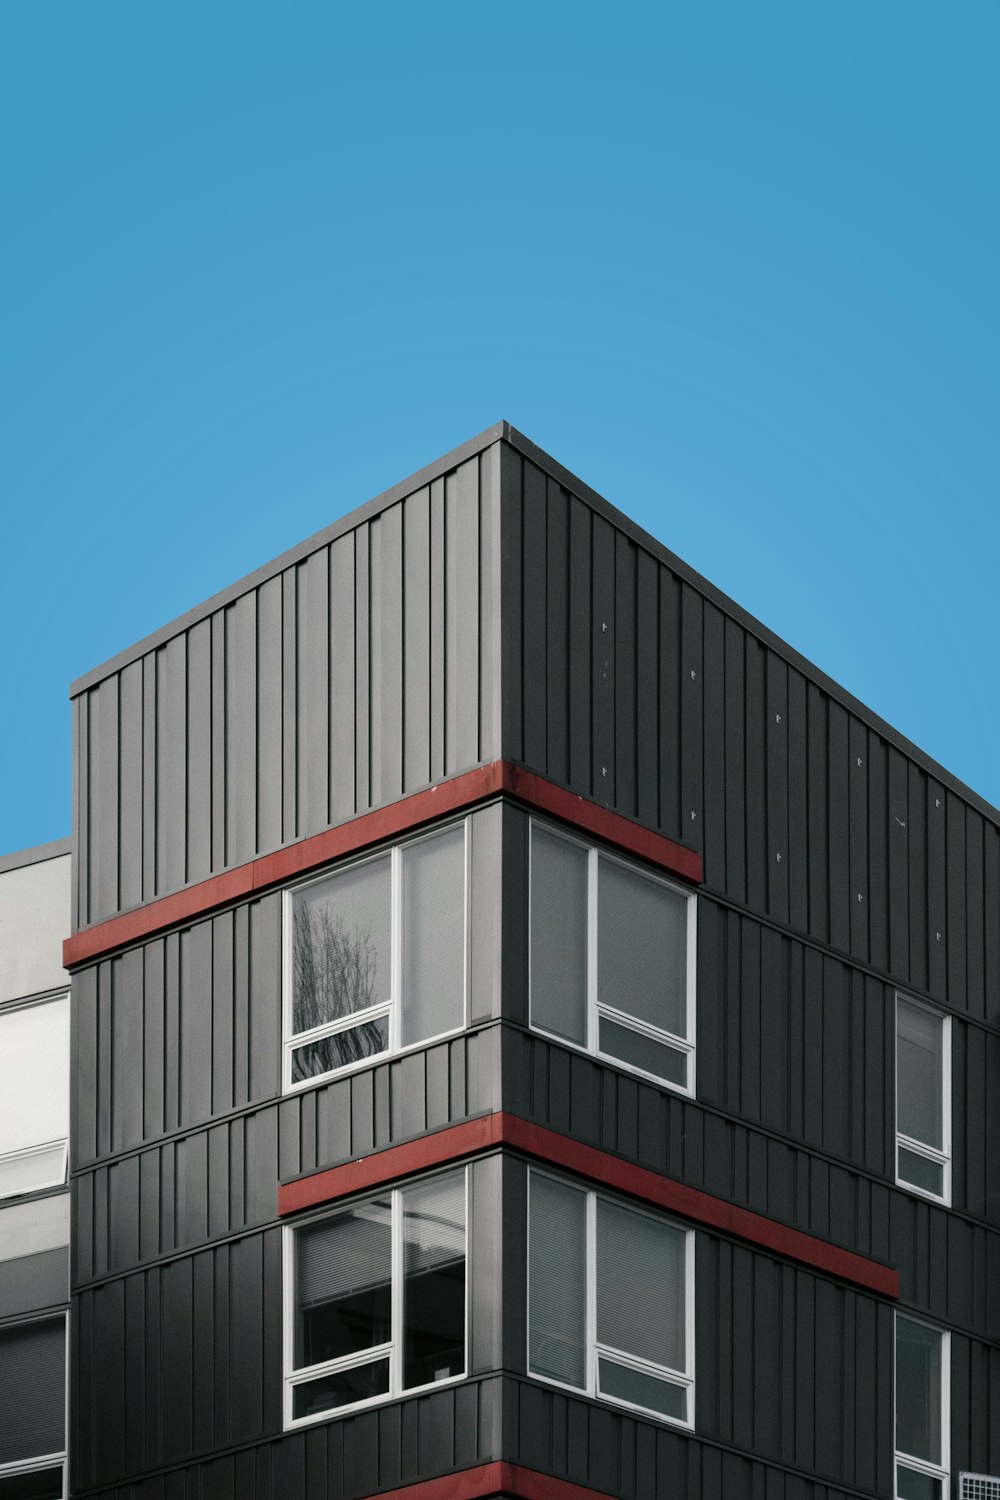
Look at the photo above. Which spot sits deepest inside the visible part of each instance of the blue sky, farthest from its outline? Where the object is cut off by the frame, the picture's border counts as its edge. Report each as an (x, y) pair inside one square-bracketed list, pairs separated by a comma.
[(735, 265)]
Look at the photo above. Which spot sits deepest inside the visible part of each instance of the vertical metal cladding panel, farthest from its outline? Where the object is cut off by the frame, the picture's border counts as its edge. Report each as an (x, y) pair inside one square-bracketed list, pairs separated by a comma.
[(384, 1449), (195, 1344), (801, 810), (317, 693), (792, 1367)]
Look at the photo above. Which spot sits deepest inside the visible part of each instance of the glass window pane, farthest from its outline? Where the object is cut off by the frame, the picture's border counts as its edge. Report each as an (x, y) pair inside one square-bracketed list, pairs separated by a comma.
[(558, 936), (433, 980), (341, 945), (29, 1170), (911, 1485), (641, 947), (919, 1072), (342, 1388), (32, 1390), (38, 1484), (643, 1052), (640, 1388), (34, 1075), (340, 1049), (434, 1286), (343, 1284), (921, 1172), (557, 1280), (918, 1390), (640, 1285)]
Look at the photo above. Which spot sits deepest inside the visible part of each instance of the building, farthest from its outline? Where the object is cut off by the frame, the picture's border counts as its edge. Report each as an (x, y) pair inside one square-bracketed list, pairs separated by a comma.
[(34, 1187), (530, 1027)]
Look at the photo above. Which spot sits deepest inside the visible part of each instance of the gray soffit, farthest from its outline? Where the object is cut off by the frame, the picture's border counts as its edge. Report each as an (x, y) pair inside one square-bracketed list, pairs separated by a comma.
[(35, 856)]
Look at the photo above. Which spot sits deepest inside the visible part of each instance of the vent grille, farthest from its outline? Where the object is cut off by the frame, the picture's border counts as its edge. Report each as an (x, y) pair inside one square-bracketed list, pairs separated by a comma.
[(978, 1487)]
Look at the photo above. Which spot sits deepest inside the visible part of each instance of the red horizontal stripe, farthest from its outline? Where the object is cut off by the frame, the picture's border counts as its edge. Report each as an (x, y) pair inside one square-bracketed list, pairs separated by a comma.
[(461, 792), (501, 1129), (493, 1479)]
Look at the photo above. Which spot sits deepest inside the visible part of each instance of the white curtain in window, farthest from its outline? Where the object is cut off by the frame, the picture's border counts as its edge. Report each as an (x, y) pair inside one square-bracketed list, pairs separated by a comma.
[(433, 978), (557, 1280), (345, 1255), (641, 947), (919, 1055), (640, 1285), (558, 936)]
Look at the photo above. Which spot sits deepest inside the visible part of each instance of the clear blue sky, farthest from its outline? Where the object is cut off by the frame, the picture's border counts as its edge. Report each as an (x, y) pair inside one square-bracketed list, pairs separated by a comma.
[(737, 266)]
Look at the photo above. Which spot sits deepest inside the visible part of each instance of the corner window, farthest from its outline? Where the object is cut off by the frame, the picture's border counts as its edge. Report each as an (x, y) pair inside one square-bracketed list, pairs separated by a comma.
[(610, 1298), (922, 1404), (923, 1099), (34, 1096), (33, 1403), (375, 1299), (612, 958), (375, 957)]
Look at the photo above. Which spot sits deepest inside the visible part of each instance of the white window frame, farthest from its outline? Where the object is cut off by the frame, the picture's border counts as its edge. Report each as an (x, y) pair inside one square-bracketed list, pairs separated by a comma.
[(390, 1008), (594, 1350), (943, 1157), (45, 1460), (393, 1350), (36, 1148), (941, 1472), (595, 1010)]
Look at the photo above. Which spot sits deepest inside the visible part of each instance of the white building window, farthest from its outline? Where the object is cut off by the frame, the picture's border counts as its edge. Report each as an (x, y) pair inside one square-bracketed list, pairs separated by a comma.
[(922, 1411), (375, 1299), (923, 1099), (375, 957), (33, 1407), (612, 958), (610, 1299), (34, 1096)]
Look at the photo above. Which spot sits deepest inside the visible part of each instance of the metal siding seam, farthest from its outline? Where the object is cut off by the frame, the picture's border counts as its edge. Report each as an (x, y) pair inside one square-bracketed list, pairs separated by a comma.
[(463, 791), (502, 1129)]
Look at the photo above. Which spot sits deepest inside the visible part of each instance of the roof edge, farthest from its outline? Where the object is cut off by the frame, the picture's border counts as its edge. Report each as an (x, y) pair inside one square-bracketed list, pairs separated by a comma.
[(36, 855), (743, 617), (300, 550)]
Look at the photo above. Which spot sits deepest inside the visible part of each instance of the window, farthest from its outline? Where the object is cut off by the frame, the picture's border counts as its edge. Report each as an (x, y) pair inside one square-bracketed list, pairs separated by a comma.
[(375, 957), (34, 1096), (923, 1099), (376, 1302), (33, 1403), (612, 958), (610, 1298), (922, 1411)]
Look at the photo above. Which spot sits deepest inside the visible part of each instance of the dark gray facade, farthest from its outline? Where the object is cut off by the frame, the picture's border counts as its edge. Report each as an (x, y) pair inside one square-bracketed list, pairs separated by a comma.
[(493, 608)]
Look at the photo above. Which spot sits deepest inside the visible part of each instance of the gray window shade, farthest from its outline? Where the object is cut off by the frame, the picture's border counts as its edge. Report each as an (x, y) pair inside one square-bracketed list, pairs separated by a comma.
[(32, 1390), (918, 1390), (434, 1222), (558, 935), (341, 945), (433, 978), (640, 1285), (434, 1280), (641, 947), (557, 1281), (338, 1257), (919, 1073)]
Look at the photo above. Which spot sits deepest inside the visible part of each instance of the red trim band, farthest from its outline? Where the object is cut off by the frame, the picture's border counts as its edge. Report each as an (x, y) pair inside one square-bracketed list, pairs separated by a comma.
[(499, 778), (457, 1142), (493, 1479)]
